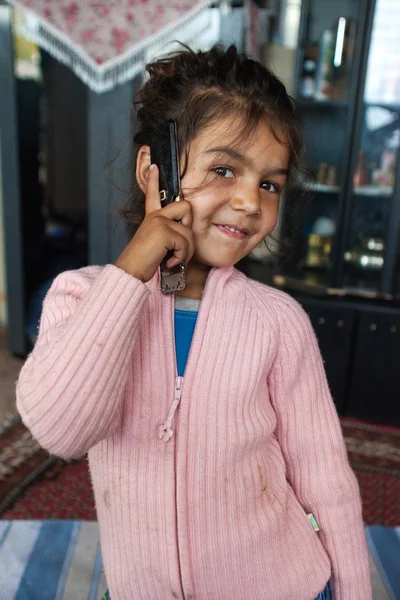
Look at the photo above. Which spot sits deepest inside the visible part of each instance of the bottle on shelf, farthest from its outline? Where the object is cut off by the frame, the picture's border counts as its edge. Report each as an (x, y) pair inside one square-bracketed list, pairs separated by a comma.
[(321, 173), (307, 85), (361, 175), (384, 175), (389, 158), (335, 56), (331, 176), (307, 89), (326, 175), (325, 63), (345, 36)]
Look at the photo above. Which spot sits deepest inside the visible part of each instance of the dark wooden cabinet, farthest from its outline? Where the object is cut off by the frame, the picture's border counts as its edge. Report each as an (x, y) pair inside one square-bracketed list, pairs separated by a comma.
[(335, 329), (346, 265), (375, 379), (360, 346), (349, 232)]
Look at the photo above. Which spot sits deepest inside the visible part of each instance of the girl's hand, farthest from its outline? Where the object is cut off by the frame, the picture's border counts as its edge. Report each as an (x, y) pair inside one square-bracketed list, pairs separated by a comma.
[(158, 233)]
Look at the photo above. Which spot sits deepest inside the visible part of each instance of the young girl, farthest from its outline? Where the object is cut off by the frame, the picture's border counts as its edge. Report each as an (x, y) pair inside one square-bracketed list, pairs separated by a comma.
[(205, 463)]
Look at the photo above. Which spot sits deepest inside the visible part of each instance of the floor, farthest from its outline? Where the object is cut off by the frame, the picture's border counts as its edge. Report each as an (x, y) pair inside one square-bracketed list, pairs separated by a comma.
[(9, 369)]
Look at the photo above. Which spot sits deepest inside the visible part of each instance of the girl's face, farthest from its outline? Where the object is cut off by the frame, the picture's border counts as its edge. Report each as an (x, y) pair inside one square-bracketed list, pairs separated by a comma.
[(239, 186)]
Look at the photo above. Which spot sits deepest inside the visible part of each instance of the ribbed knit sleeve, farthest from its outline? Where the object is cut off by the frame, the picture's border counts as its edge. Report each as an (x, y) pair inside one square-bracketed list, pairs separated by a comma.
[(311, 439), (70, 391)]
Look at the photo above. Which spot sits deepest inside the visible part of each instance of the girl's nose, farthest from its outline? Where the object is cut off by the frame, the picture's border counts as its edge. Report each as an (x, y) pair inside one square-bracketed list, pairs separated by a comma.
[(247, 199)]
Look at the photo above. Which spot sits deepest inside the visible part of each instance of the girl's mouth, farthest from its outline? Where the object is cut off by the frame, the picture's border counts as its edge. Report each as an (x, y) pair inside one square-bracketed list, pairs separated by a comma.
[(232, 232)]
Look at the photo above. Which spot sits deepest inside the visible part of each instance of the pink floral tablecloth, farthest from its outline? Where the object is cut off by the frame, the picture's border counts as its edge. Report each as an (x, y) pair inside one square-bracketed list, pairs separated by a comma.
[(105, 42)]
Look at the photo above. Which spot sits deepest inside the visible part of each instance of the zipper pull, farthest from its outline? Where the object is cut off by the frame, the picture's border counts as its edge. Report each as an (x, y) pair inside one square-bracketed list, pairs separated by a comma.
[(165, 432)]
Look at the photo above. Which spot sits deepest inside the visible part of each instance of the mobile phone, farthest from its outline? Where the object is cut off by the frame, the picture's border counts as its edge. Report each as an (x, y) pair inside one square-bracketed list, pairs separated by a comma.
[(164, 153)]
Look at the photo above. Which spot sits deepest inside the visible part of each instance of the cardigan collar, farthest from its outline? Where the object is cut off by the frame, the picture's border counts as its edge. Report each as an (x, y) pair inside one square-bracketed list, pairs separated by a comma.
[(217, 279)]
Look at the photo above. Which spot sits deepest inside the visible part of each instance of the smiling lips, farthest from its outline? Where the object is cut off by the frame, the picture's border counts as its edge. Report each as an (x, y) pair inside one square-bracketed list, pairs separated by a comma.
[(231, 231)]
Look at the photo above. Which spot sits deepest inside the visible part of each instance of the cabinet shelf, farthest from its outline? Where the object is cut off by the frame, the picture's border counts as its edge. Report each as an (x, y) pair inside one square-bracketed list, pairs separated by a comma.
[(319, 103), (365, 190), (373, 190), (388, 105), (306, 285), (325, 189)]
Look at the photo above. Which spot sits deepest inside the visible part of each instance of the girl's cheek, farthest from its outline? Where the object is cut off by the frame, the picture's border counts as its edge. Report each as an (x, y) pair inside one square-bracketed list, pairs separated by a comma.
[(274, 218), (270, 219)]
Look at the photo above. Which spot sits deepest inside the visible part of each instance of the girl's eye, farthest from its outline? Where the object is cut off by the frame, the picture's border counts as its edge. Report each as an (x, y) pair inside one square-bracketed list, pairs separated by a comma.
[(270, 186), (224, 172)]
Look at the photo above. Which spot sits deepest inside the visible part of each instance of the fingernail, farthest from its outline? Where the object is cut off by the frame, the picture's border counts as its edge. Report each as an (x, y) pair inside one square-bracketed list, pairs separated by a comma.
[(151, 168)]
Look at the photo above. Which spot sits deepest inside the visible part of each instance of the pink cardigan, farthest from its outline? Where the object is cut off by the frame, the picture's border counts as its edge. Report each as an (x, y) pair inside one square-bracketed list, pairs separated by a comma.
[(214, 506)]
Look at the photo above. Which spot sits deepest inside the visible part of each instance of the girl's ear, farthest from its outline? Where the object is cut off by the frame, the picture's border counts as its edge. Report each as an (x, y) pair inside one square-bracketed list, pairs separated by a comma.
[(143, 163)]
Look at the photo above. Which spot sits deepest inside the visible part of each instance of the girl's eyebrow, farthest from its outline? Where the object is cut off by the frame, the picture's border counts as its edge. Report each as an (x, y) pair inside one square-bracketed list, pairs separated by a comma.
[(244, 160)]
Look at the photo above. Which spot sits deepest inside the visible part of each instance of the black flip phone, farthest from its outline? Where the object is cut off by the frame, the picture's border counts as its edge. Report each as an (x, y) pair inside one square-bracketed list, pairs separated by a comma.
[(164, 153)]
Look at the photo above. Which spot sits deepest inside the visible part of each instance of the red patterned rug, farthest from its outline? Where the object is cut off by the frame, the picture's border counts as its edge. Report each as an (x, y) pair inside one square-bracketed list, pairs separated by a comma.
[(36, 486), (374, 454)]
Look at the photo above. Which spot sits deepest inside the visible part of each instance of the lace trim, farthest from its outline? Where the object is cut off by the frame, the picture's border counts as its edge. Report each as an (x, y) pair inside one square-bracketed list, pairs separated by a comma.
[(198, 29)]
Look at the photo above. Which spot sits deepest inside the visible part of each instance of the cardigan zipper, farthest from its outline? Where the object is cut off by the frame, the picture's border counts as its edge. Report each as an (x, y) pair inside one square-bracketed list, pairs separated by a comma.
[(165, 431)]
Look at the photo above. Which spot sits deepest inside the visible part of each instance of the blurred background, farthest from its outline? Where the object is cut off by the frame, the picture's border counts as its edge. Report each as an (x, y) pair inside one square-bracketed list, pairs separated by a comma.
[(65, 171)]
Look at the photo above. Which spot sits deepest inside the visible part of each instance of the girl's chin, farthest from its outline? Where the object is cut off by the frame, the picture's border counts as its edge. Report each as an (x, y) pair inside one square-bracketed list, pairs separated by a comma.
[(210, 259), (209, 263)]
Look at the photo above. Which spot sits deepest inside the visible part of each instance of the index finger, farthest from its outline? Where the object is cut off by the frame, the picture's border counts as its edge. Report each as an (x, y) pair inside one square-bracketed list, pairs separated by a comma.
[(152, 201)]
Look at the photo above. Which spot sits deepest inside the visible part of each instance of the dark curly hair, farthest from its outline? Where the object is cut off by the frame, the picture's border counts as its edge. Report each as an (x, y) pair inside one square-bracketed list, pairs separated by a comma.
[(196, 89)]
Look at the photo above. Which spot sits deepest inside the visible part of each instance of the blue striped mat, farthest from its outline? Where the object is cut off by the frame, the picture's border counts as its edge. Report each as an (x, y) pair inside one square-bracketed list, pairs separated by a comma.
[(384, 550), (50, 560), (61, 560)]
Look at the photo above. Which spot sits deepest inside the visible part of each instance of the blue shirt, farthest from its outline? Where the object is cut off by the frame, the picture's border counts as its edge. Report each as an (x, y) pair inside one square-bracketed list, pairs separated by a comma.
[(185, 322)]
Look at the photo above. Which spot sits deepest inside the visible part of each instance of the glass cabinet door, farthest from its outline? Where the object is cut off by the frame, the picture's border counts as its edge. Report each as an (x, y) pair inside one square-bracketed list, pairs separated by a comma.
[(326, 79), (373, 178)]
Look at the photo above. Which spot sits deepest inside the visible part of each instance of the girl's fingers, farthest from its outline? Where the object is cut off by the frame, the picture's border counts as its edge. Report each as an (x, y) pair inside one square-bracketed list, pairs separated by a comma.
[(152, 201), (179, 216), (176, 211), (181, 242), (158, 234), (172, 262), (187, 217), (179, 211)]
